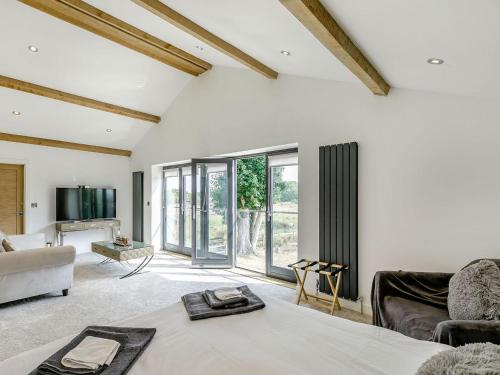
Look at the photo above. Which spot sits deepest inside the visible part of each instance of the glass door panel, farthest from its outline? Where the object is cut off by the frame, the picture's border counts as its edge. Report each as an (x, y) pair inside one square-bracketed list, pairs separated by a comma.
[(284, 239), (187, 206), (177, 209), (172, 209), (283, 213), (213, 211), (198, 237), (251, 213), (217, 205)]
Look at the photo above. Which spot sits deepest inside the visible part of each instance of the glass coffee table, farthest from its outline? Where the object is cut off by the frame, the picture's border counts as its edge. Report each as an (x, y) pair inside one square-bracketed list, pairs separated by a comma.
[(135, 250)]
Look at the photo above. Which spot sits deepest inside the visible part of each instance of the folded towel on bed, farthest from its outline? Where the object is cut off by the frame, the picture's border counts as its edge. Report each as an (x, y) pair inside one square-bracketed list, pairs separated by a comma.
[(197, 308), (227, 293), (215, 303), (133, 341), (91, 353)]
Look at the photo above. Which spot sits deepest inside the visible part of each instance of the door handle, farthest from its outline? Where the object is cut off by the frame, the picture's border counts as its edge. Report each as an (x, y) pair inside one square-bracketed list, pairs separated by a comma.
[(20, 213)]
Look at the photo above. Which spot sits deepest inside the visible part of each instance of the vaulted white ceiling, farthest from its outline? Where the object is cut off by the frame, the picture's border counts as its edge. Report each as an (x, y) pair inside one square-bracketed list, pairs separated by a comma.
[(398, 36)]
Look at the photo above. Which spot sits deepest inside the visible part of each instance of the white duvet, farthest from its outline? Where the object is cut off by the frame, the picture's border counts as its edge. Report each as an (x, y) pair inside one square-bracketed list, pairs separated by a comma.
[(280, 339)]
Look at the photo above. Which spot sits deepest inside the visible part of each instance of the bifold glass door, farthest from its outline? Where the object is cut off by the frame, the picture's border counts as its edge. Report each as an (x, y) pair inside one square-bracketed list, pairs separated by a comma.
[(212, 212), (241, 211)]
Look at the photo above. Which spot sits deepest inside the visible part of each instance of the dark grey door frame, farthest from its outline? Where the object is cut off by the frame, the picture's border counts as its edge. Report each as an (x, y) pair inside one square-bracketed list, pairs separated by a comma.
[(179, 248), (274, 271), (226, 261)]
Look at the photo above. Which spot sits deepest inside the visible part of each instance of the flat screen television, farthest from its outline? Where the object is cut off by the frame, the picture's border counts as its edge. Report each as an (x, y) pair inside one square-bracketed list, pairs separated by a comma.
[(85, 204)]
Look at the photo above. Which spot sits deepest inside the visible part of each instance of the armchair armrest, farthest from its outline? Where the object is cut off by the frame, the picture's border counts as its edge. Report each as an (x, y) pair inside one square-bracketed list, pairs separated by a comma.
[(35, 259), (461, 332), (429, 288)]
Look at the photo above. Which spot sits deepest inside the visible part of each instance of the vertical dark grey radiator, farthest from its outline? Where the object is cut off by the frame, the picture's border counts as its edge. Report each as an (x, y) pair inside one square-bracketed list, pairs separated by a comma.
[(338, 213), (138, 206)]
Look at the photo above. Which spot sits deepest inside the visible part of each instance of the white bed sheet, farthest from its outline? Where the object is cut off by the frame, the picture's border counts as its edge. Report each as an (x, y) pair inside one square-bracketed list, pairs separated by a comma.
[(281, 339)]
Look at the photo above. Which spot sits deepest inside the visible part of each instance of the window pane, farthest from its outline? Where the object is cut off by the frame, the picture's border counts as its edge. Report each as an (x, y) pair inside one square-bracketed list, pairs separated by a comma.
[(284, 239), (217, 215), (285, 188), (199, 226), (172, 209), (187, 209), (284, 206), (251, 240), (251, 213)]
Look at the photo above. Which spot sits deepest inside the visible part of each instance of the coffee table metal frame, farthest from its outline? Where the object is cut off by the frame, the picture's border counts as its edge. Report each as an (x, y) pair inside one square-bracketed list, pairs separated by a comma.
[(119, 254)]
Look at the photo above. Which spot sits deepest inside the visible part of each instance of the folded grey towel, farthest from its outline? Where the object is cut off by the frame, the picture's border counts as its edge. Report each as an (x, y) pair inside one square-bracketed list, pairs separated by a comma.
[(227, 293), (133, 341), (215, 303), (197, 308)]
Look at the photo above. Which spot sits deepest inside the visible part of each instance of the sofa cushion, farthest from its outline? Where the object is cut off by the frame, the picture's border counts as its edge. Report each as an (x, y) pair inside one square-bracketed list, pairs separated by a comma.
[(7, 245), (414, 319), (28, 241), (474, 292), (2, 236)]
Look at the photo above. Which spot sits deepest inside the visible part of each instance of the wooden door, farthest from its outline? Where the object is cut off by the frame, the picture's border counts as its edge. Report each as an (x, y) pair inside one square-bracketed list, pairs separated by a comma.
[(12, 198)]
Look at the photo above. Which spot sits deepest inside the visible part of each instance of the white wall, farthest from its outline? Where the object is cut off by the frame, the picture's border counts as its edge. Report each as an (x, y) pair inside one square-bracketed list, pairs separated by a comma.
[(429, 164), (47, 168)]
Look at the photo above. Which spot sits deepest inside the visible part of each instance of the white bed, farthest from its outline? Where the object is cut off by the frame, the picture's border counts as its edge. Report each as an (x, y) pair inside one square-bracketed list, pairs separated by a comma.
[(281, 339)]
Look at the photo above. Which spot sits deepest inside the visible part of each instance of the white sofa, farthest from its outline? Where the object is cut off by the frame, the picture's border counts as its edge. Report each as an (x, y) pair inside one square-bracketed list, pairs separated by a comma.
[(34, 269)]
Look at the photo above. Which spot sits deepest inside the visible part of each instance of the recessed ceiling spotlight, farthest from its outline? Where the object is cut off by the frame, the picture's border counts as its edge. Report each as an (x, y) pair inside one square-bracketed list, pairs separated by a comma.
[(109, 130), (435, 61), (200, 48), (16, 113), (285, 52), (33, 48)]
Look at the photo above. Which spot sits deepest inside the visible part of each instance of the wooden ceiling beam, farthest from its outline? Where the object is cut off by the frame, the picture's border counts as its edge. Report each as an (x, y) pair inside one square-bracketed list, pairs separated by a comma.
[(185, 24), (32, 88), (313, 15), (62, 144), (86, 16)]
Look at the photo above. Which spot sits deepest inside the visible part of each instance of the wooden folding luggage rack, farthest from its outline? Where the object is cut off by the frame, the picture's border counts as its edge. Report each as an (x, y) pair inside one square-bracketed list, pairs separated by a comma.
[(321, 268)]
